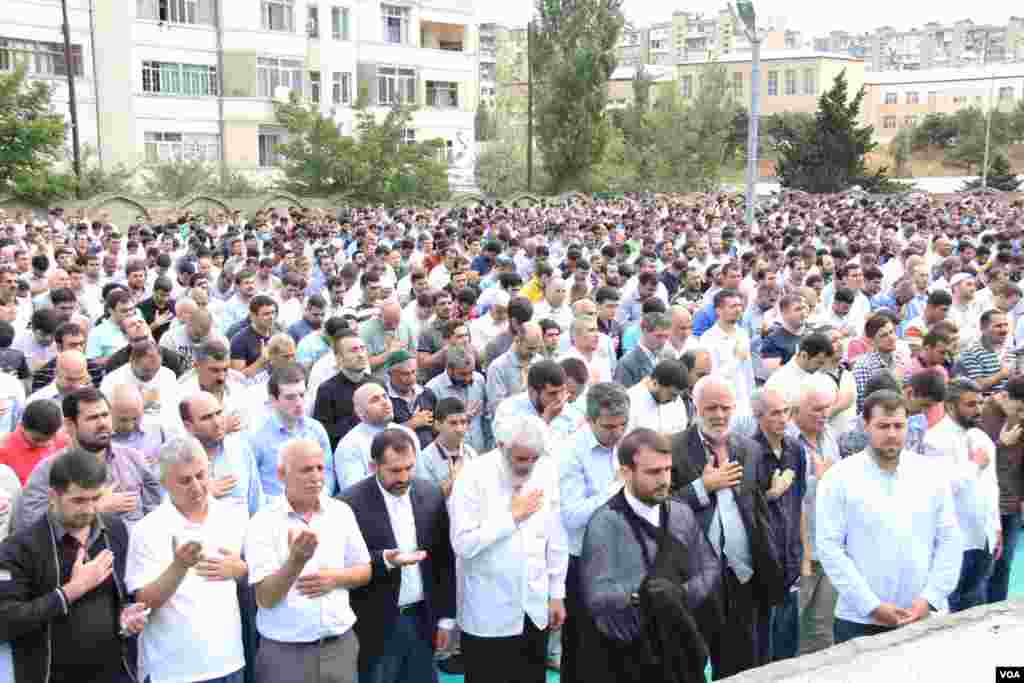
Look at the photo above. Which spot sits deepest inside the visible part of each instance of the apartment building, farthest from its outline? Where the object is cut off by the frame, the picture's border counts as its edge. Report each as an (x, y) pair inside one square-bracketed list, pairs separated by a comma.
[(895, 100), (197, 79)]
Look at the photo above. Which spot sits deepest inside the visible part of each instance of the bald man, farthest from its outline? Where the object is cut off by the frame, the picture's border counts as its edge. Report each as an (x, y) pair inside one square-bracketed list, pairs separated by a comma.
[(72, 372), (130, 430), (375, 412), (234, 477), (386, 334), (708, 465), (681, 339)]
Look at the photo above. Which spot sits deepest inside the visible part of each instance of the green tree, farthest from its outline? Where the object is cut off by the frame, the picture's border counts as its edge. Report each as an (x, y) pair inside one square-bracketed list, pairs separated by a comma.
[(829, 155), (178, 179), (573, 58), (31, 137), (317, 160), (97, 180), (901, 149), (484, 123), (936, 130), (1000, 176)]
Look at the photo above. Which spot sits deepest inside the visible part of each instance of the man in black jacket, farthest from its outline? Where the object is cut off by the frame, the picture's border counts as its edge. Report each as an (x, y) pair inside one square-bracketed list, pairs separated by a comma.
[(716, 473), (333, 407), (63, 602), (409, 604)]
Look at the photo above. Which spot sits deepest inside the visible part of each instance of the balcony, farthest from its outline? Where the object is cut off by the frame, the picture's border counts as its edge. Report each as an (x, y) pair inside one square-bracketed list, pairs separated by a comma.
[(439, 36)]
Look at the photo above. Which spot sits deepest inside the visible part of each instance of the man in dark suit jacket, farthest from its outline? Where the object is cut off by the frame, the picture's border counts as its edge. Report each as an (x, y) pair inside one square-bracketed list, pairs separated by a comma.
[(655, 329), (409, 604), (716, 473)]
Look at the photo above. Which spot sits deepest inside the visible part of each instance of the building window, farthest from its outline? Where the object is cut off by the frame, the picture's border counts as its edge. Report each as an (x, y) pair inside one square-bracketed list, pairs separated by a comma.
[(168, 147), (39, 58), (268, 143), (810, 82), (396, 85), (339, 23), (408, 136), (314, 86), (773, 83), (189, 80), (272, 73), (913, 98), (177, 11), (687, 86), (737, 84), (341, 88), (889, 122), (890, 98), (442, 94), (395, 21), (1006, 92), (278, 15), (790, 82), (313, 21)]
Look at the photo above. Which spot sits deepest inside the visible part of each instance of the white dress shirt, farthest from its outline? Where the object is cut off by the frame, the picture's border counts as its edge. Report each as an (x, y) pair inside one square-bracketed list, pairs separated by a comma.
[(507, 571), (887, 536), (403, 524), (651, 513), (296, 618), (644, 411), (599, 366), (730, 358), (197, 634), (975, 490)]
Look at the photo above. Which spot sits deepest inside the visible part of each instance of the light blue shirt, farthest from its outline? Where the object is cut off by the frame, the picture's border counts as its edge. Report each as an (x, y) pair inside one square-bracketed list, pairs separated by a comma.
[(267, 440), (311, 349), (235, 458), (828, 448), (887, 537), (352, 456), (435, 465), (504, 379), (586, 474), (235, 310), (478, 436), (561, 428), (104, 340)]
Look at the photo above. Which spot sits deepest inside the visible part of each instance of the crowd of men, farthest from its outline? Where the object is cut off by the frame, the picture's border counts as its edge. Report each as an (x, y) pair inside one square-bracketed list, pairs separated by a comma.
[(625, 439)]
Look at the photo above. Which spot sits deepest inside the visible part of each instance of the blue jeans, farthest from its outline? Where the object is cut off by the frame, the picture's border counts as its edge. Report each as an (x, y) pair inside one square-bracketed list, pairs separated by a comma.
[(779, 630), (843, 630), (970, 590), (999, 581), (405, 658)]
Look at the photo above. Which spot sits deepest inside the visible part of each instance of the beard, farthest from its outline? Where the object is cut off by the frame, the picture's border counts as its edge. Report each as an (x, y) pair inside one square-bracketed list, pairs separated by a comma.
[(95, 443)]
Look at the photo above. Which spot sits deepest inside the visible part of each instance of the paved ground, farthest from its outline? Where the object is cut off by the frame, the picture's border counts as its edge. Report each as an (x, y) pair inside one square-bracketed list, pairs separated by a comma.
[(1016, 591)]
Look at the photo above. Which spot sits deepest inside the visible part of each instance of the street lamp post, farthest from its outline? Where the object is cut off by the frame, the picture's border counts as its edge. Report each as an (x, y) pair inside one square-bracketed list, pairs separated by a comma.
[(749, 18), (69, 65)]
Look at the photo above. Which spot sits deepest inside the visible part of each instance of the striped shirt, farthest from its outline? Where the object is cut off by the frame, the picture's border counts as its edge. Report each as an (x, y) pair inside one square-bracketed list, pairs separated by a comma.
[(977, 363)]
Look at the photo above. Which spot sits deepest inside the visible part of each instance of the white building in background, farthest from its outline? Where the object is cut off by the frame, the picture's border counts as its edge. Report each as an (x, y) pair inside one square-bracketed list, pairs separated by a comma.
[(175, 79)]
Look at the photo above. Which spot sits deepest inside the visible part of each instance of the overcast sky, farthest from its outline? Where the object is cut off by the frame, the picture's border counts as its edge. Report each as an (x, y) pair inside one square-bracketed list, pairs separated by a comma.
[(813, 17)]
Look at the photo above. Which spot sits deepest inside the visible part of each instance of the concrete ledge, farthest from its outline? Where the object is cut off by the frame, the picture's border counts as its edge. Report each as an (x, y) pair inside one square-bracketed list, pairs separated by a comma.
[(967, 647)]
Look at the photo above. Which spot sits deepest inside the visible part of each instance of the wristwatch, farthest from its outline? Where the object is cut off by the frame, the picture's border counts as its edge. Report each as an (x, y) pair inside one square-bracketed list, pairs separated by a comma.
[(634, 599)]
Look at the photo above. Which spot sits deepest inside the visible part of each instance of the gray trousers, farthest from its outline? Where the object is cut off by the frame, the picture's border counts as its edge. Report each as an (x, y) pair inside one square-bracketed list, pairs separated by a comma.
[(316, 662), (817, 610)]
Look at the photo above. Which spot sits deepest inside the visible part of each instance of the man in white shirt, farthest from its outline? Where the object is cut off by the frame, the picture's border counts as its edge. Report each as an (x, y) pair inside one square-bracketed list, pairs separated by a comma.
[(156, 382), (586, 345), (966, 453), (656, 402), (886, 529), (511, 547), (729, 346), (305, 619), (812, 353), (555, 305), (183, 561)]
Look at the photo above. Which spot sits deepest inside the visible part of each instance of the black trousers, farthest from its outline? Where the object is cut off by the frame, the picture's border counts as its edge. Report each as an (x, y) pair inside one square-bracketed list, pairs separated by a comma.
[(513, 659), (734, 648), (576, 619)]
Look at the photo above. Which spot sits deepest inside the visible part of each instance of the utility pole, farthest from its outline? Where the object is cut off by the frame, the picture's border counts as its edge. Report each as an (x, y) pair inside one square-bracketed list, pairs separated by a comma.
[(988, 119), (529, 106), (749, 18), (76, 159)]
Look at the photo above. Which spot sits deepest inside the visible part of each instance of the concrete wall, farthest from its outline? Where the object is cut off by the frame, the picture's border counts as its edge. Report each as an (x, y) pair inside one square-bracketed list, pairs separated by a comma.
[(960, 647)]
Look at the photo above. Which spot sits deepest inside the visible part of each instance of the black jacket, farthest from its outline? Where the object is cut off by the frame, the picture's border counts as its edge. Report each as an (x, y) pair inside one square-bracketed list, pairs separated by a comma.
[(29, 598), (334, 409), (688, 460), (376, 603)]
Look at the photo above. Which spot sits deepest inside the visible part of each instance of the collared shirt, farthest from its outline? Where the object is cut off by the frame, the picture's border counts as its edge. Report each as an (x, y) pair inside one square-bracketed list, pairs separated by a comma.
[(403, 525), (239, 399), (975, 490), (435, 462), (352, 456), (146, 441), (599, 366), (587, 480), (652, 513), (826, 448), (506, 376), (644, 411), (508, 571), (235, 458), (296, 618), (730, 357), (271, 435), (12, 403), (887, 536), (560, 428), (197, 634), (787, 380), (479, 435), (104, 339), (159, 395), (865, 368)]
